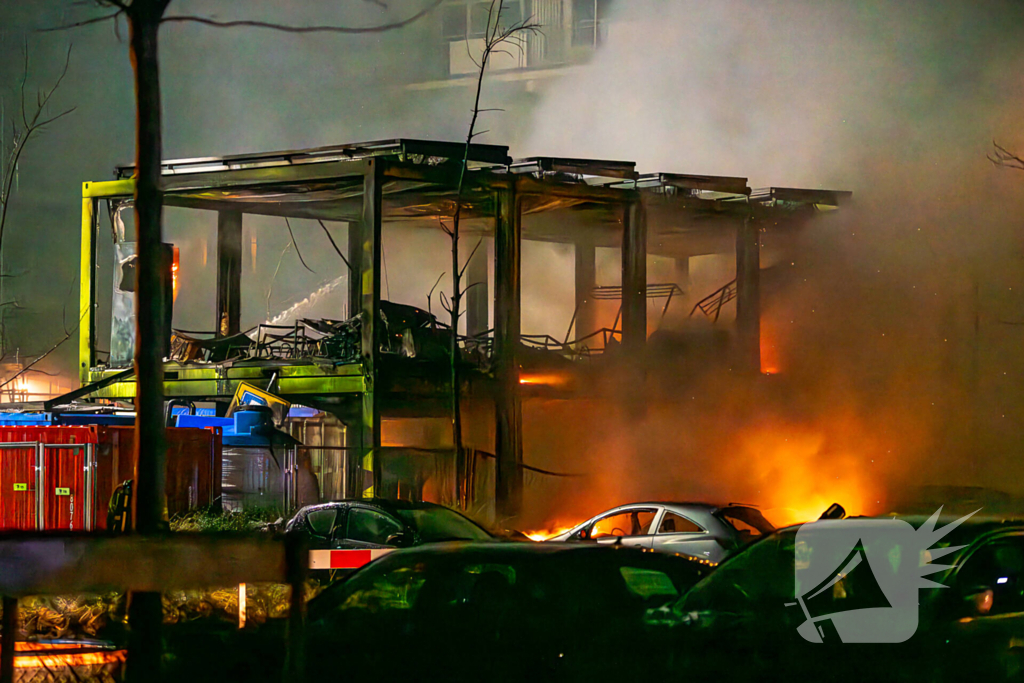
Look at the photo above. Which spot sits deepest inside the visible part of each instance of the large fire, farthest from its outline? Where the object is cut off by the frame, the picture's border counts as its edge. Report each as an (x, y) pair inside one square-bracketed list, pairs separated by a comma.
[(795, 477)]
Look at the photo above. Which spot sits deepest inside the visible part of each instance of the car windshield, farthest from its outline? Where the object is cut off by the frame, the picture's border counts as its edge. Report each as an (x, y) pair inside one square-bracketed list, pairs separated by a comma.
[(441, 524), (748, 521)]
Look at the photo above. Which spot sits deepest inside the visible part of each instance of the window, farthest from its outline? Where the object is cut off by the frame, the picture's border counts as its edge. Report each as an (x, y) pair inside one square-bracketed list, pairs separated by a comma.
[(672, 523), (589, 22), (999, 567), (464, 20), (441, 524), (321, 522), (396, 590), (629, 523), (370, 526), (454, 22), (646, 583)]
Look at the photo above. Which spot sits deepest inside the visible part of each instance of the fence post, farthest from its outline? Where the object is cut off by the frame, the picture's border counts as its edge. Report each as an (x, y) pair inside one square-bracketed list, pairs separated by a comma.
[(297, 568), (8, 637)]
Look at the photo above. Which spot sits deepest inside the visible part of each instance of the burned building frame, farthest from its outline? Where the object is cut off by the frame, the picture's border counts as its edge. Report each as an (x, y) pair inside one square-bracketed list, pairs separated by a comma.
[(366, 184)]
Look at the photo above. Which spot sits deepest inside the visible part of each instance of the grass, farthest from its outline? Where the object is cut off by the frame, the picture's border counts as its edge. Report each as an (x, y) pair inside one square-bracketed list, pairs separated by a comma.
[(212, 521)]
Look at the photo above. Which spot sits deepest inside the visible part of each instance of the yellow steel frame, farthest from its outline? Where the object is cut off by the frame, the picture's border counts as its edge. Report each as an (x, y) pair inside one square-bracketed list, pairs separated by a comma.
[(91, 194)]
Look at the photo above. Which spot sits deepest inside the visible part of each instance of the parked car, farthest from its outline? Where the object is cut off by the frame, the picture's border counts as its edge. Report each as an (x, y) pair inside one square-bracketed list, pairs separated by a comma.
[(702, 530), (379, 523), (746, 614), (465, 612)]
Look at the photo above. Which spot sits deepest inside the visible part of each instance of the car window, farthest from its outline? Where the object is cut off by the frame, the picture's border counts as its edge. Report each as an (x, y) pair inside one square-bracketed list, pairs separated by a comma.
[(628, 523), (395, 590), (748, 521), (441, 524), (645, 583), (672, 523), (321, 522), (370, 526), (760, 575), (997, 566)]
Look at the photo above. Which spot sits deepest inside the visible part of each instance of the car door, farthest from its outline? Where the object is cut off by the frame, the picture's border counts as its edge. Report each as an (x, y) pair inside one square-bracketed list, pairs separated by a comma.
[(631, 526), (985, 610), (677, 533), (366, 527), (319, 525)]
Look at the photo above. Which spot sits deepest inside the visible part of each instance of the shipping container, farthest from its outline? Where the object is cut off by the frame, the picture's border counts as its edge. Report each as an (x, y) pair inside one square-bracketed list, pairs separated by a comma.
[(62, 477)]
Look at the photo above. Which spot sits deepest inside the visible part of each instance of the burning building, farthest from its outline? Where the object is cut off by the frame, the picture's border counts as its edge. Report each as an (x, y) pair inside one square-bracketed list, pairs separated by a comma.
[(375, 372)]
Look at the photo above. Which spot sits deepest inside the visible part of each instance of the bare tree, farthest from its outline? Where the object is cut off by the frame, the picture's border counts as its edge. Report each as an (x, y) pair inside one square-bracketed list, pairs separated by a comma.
[(498, 38), (29, 122), (144, 18), (1004, 158)]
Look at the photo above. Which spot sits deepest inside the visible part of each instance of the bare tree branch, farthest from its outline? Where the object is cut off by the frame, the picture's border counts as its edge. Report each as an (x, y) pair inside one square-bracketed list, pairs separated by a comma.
[(270, 288), (301, 29), (1000, 156), (292, 235), (328, 233), (84, 22)]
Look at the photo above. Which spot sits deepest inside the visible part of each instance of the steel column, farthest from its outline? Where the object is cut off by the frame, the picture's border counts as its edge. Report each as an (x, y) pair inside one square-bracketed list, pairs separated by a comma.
[(370, 260), (586, 280), (634, 280), (508, 432), (748, 295), (355, 273), (87, 290), (475, 287), (229, 273)]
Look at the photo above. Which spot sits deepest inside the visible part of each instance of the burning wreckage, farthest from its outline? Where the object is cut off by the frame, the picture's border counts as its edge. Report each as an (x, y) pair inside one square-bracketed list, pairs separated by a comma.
[(379, 369)]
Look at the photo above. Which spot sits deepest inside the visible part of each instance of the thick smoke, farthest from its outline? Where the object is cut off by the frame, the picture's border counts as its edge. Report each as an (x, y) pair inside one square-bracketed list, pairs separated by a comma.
[(887, 322)]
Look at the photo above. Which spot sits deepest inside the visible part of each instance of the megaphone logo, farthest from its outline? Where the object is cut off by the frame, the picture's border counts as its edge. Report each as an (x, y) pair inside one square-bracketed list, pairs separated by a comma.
[(857, 581)]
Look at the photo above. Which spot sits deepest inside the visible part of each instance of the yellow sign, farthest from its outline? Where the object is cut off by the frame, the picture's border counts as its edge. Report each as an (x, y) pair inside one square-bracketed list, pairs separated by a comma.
[(63, 491), (249, 395), (21, 487)]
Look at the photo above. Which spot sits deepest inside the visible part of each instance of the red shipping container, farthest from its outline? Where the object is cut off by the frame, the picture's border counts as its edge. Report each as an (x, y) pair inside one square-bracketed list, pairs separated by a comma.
[(63, 477)]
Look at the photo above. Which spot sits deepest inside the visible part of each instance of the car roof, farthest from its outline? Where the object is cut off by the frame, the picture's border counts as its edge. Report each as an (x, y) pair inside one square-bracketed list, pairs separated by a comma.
[(382, 503), (527, 549), (966, 532)]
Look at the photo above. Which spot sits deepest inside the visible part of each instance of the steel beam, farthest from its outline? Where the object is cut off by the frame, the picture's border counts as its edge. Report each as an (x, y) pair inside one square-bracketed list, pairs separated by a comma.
[(87, 288), (369, 256), (229, 273), (634, 280), (475, 287), (355, 273), (586, 280), (748, 295), (508, 433)]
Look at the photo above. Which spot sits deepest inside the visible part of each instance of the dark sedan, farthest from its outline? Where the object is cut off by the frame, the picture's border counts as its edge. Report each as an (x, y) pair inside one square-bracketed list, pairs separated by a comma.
[(465, 612), (746, 615), (378, 523), (706, 531)]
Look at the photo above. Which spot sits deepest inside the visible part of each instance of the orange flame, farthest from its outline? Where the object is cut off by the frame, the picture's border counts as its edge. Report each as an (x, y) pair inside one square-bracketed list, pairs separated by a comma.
[(545, 534), (549, 380)]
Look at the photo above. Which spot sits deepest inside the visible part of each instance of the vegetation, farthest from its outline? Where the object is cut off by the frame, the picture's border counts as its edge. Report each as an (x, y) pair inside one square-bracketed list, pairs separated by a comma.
[(211, 520)]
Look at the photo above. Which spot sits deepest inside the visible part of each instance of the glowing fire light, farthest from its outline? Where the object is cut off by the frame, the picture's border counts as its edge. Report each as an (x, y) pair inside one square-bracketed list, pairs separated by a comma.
[(549, 380), (797, 477), (174, 275), (546, 534), (60, 657), (770, 351)]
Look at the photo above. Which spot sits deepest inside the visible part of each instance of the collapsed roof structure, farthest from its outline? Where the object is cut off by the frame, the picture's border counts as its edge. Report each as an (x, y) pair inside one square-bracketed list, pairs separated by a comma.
[(390, 359)]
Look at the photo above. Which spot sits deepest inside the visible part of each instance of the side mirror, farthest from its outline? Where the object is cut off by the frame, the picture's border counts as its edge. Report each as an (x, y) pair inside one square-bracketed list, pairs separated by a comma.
[(399, 540), (978, 601)]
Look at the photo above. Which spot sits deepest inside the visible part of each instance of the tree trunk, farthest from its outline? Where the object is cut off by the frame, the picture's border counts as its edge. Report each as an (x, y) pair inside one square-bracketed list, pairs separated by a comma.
[(149, 297), (145, 609)]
